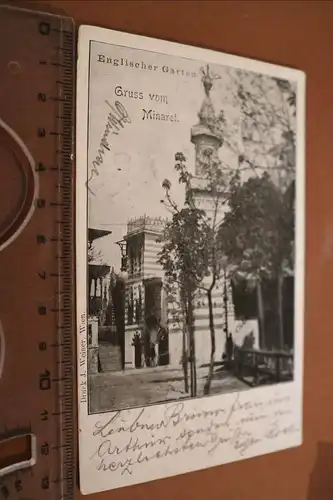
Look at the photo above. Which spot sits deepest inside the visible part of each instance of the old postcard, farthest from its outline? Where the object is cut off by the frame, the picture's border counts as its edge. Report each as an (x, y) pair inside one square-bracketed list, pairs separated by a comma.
[(190, 258)]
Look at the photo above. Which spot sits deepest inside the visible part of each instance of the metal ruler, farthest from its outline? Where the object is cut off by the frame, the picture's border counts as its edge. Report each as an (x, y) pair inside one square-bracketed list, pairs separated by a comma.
[(37, 371)]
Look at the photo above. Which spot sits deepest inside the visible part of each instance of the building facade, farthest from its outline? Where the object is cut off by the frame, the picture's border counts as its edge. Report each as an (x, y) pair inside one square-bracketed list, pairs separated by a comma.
[(146, 297), (97, 296), (145, 294)]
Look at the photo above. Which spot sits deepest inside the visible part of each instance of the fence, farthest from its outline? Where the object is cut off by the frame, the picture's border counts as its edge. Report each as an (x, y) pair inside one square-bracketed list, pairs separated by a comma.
[(263, 367)]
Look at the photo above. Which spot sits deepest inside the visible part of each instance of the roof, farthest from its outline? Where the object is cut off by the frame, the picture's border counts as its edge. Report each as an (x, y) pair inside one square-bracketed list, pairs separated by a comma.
[(98, 271), (94, 234)]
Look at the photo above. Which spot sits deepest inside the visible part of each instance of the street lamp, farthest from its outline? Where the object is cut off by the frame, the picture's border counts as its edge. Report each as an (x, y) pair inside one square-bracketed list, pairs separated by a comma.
[(123, 277), (224, 262), (123, 269), (225, 301)]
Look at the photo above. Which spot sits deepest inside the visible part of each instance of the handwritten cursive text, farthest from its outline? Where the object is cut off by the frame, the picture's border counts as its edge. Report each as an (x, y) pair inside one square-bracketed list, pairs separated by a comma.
[(116, 120)]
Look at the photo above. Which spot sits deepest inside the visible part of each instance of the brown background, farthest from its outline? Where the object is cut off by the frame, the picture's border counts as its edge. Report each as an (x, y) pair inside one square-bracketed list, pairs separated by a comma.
[(297, 34)]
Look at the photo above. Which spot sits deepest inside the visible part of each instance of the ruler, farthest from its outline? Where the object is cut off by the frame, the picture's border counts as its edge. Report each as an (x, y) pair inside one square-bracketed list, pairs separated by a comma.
[(37, 444)]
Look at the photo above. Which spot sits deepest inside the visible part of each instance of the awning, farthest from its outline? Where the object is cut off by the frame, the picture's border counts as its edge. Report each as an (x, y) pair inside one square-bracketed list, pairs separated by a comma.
[(98, 271), (94, 234)]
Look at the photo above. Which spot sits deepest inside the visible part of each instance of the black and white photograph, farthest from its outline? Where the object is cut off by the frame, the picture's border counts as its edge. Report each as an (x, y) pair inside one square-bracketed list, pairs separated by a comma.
[(190, 253), (191, 177)]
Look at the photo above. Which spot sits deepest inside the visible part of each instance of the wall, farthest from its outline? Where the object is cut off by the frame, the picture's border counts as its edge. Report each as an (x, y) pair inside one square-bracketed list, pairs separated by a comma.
[(297, 34)]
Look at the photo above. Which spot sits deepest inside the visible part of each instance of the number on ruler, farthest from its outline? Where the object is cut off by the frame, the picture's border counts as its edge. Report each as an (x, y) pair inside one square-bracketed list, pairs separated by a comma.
[(18, 485), (40, 203), (44, 28), (42, 346), (41, 239), (45, 484), (45, 449), (41, 97), (45, 381), (42, 310), (40, 167), (44, 415)]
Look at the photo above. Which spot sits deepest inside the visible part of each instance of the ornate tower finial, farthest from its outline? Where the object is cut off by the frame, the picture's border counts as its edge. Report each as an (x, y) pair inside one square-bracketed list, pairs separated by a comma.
[(206, 114), (207, 79), (207, 134)]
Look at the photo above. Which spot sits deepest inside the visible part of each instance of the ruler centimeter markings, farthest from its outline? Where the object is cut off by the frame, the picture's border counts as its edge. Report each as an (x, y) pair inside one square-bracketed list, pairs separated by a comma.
[(38, 103)]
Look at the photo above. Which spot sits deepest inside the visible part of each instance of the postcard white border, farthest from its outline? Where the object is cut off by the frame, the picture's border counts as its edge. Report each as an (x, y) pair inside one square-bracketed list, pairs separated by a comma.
[(90, 481)]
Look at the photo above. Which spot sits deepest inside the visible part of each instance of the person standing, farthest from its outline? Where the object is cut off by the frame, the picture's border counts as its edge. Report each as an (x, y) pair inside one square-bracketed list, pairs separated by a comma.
[(230, 350)]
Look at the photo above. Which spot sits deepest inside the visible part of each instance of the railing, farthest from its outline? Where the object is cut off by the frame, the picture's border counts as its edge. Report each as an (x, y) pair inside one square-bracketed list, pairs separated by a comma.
[(95, 306), (263, 367), (135, 274), (156, 224)]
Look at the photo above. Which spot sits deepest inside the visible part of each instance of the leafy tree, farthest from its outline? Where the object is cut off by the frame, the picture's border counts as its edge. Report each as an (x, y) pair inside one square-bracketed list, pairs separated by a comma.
[(94, 255), (262, 133), (183, 260), (257, 233), (190, 255), (262, 137)]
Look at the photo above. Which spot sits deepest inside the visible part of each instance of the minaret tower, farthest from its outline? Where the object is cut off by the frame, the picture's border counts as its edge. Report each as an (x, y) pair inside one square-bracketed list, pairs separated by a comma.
[(207, 134), (207, 137)]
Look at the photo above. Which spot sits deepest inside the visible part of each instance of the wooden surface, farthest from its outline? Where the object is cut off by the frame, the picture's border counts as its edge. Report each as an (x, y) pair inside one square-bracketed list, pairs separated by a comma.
[(297, 34)]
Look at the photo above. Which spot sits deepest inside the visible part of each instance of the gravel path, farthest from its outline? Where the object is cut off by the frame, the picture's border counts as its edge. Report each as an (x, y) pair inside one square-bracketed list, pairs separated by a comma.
[(140, 387)]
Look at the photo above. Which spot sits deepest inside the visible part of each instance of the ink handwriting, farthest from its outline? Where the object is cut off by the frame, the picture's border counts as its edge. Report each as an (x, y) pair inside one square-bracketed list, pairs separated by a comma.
[(124, 443), (116, 120)]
